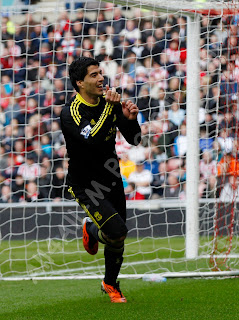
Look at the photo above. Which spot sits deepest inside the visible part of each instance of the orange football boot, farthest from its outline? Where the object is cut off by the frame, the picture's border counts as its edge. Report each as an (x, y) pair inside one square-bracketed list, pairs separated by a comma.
[(86, 238), (116, 296)]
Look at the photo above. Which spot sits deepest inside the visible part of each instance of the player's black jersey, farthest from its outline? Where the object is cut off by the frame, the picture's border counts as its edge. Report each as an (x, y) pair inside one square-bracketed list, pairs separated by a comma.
[(90, 132)]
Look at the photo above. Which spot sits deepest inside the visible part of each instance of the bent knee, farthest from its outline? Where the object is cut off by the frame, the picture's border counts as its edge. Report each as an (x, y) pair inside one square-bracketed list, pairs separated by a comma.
[(117, 236)]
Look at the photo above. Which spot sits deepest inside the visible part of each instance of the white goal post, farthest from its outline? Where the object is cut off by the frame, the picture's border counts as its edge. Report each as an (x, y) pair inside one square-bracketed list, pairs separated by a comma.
[(180, 237)]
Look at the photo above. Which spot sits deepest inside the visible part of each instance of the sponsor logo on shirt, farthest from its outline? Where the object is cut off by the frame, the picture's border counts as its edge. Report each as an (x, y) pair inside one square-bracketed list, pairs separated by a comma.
[(86, 131)]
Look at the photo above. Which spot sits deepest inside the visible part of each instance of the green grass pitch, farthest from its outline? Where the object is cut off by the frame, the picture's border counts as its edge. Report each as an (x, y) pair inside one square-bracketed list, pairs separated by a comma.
[(81, 299)]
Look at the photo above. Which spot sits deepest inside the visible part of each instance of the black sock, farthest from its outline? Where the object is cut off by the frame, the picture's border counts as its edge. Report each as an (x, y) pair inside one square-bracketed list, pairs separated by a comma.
[(113, 262)]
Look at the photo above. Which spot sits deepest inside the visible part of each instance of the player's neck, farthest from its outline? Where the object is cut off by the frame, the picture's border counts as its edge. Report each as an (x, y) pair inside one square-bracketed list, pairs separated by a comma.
[(89, 99)]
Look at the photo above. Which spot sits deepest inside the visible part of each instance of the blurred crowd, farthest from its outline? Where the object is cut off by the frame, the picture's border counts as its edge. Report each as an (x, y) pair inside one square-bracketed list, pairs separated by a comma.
[(145, 59)]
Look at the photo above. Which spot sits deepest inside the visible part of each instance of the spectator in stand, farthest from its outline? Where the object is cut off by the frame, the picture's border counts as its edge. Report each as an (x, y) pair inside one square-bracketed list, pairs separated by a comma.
[(169, 132), (29, 170), (230, 191), (126, 166), (227, 166), (173, 87), (18, 187), (160, 180), (80, 16), (121, 50), (208, 170), (3, 159), (101, 23), (19, 152), (13, 48), (172, 189), (151, 49), (147, 106), (8, 138), (138, 48), (103, 41), (110, 67), (4, 32), (45, 54), (131, 192), (6, 196), (163, 104), (44, 184), (28, 24), (59, 192), (68, 43), (165, 64), (131, 63), (225, 140), (47, 104), (141, 76), (36, 38), (46, 145), (10, 170), (118, 20), (160, 39), (131, 32), (59, 92), (151, 162), (147, 27), (29, 137), (57, 138), (55, 35), (142, 179), (56, 113), (229, 123), (64, 22), (31, 193), (180, 142), (160, 76), (205, 143), (210, 125), (18, 72), (77, 31), (176, 115)]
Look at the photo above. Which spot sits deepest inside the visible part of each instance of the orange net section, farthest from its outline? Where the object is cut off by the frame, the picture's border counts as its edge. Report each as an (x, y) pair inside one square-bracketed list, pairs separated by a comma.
[(228, 145)]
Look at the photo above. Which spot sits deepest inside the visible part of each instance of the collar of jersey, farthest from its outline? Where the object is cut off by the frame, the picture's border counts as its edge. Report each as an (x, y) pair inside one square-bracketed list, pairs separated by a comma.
[(82, 100)]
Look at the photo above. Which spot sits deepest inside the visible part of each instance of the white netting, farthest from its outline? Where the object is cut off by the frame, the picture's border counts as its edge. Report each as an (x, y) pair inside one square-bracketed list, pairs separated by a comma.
[(143, 54)]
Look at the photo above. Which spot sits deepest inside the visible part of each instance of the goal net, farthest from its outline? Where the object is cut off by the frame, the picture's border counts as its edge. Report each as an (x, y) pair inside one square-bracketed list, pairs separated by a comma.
[(178, 61)]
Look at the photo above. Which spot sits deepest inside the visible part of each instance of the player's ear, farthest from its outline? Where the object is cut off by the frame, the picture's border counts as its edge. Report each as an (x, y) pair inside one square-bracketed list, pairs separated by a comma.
[(80, 84)]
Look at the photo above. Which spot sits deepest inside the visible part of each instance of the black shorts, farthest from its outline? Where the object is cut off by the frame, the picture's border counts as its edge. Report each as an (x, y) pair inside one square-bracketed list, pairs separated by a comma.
[(108, 211)]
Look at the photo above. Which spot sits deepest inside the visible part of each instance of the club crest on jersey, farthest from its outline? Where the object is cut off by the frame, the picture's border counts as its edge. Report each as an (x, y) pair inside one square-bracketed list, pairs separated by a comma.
[(86, 131), (92, 122)]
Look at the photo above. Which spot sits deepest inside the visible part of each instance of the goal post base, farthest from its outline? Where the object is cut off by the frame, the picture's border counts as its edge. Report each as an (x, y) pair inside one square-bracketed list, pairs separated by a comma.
[(216, 274)]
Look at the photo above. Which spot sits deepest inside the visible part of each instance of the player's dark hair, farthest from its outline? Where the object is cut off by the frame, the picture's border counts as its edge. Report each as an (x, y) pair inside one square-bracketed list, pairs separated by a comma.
[(78, 69)]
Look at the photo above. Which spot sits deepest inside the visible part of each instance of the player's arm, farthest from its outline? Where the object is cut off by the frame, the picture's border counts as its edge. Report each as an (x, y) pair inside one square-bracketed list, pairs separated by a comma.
[(127, 122), (76, 126)]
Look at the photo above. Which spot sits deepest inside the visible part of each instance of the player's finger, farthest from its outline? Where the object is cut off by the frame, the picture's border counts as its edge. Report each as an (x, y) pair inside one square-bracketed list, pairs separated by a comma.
[(113, 90), (117, 97), (129, 103), (123, 104), (107, 88), (108, 95), (133, 110)]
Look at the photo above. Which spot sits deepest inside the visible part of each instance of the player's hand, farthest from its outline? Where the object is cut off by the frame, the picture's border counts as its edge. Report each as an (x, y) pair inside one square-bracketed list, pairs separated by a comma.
[(130, 110), (112, 96)]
